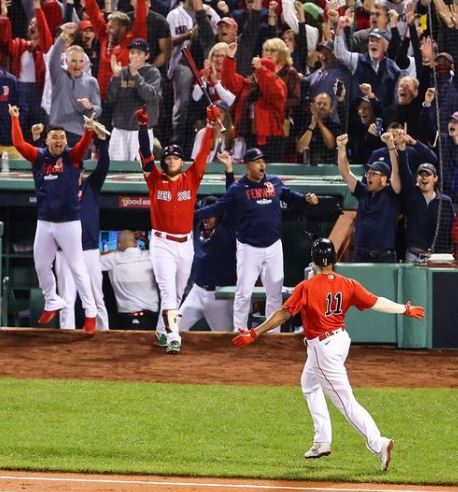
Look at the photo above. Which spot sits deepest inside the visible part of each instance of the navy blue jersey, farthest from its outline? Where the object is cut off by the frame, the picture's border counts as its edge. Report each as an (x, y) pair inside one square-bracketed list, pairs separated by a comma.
[(214, 262), (257, 209), (90, 207), (57, 185)]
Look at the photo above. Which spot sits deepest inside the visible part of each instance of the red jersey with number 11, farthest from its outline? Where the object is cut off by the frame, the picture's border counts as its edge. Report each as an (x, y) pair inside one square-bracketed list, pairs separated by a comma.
[(324, 300)]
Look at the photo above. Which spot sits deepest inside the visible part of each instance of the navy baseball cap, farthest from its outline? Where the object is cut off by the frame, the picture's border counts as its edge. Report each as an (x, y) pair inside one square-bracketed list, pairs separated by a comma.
[(381, 167), (427, 167), (453, 116), (378, 33), (139, 44), (253, 154)]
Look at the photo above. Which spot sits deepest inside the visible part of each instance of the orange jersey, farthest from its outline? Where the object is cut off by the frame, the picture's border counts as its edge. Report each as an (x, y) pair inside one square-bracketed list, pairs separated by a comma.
[(172, 202), (324, 300)]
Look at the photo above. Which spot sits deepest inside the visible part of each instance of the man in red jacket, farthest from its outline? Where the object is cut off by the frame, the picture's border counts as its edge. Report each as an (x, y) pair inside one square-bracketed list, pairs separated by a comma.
[(27, 62), (114, 37)]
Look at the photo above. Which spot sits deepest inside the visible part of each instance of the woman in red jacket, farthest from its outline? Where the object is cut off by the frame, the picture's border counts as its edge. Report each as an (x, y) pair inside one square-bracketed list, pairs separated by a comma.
[(259, 108)]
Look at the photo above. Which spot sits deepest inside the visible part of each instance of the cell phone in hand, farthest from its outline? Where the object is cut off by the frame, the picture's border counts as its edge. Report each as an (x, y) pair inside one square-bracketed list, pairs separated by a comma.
[(339, 88), (378, 127)]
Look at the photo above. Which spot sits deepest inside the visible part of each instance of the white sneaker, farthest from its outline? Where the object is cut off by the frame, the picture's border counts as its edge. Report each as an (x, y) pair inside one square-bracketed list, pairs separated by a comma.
[(385, 453), (318, 450)]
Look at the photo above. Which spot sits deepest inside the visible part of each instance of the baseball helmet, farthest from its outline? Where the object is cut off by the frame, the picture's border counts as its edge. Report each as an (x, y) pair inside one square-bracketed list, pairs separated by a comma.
[(323, 252), (171, 149)]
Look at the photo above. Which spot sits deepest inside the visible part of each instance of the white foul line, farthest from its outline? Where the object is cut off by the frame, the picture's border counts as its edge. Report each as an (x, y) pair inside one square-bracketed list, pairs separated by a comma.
[(207, 485)]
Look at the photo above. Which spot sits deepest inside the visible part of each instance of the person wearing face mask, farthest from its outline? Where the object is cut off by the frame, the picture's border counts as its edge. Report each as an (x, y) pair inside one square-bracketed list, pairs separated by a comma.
[(74, 92), (378, 204), (373, 67)]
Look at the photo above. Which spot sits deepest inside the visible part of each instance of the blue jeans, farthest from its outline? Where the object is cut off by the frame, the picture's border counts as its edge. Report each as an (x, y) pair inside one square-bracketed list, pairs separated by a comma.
[(361, 255)]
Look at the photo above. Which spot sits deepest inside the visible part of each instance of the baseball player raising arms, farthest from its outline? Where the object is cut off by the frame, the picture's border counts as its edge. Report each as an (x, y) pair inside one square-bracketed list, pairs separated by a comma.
[(323, 302), (172, 194), (56, 170)]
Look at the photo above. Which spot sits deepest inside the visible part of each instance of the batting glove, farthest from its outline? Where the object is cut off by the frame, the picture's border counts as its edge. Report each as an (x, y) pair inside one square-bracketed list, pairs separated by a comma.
[(417, 312), (245, 338), (213, 114), (142, 116)]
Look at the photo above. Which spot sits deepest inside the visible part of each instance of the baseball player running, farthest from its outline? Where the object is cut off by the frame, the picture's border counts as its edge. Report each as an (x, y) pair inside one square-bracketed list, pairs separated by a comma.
[(90, 223), (172, 194), (56, 171), (255, 200), (323, 302)]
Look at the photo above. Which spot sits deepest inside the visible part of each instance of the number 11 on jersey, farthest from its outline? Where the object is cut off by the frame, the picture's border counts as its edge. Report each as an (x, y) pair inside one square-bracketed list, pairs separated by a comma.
[(333, 303)]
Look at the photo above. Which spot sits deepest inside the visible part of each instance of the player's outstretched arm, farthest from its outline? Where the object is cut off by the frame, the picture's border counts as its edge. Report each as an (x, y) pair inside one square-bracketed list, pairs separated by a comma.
[(246, 337), (28, 151), (384, 305)]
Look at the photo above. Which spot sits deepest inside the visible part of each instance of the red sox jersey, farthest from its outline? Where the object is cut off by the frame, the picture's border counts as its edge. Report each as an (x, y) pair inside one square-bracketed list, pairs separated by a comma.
[(324, 300), (172, 202)]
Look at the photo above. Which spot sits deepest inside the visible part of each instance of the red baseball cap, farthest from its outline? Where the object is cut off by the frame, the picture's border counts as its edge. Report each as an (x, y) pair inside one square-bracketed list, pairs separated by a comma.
[(85, 24), (228, 20)]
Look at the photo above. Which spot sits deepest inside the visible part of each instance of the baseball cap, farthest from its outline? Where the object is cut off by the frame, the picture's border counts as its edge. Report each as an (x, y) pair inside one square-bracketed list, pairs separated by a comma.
[(381, 167), (313, 10), (85, 24), (445, 55), (139, 44), (378, 33), (454, 116), (253, 154), (328, 45), (427, 167), (228, 20)]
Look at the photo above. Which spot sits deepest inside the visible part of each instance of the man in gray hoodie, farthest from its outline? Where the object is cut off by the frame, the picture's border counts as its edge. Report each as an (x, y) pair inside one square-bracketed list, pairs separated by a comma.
[(74, 93), (131, 88)]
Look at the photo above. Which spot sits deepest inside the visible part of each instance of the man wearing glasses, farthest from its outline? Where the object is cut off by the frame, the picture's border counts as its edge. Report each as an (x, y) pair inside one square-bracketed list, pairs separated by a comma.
[(378, 203)]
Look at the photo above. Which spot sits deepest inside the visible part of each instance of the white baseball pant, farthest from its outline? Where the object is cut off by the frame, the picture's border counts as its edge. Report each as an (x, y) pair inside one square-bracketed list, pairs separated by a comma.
[(201, 303), (325, 373), (253, 262), (67, 236), (67, 289), (123, 144), (172, 262)]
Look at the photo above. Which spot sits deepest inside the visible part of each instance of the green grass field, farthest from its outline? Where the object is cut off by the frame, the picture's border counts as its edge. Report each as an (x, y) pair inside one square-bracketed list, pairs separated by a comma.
[(220, 431)]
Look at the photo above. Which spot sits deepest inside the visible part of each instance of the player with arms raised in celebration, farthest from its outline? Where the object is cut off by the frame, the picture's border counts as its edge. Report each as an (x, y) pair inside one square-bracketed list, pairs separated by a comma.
[(323, 302), (172, 193)]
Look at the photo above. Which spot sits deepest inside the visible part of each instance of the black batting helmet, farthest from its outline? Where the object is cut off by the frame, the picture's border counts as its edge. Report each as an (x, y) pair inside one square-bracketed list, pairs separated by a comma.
[(171, 149), (323, 252)]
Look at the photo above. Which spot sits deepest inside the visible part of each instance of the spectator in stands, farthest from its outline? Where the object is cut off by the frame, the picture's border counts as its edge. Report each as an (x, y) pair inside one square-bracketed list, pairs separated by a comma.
[(319, 139), (449, 142), (27, 63), (422, 202), (279, 53), (158, 37), (8, 96), (228, 32), (183, 27), (86, 38), (90, 188), (373, 68), (213, 265), (114, 37), (379, 18), (378, 204), (135, 289), (361, 142), (417, 152), (255, 198), (74, 92), (414, 108), (297, 43), (131, 88), (260, 103)]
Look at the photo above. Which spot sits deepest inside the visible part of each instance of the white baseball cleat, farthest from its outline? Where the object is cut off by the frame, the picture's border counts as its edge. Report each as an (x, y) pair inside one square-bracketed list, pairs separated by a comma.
[(385, 453), (318, 450)]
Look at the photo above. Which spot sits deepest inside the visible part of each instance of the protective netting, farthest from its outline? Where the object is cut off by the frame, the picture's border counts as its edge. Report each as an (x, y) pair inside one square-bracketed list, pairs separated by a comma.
[(288, 77)]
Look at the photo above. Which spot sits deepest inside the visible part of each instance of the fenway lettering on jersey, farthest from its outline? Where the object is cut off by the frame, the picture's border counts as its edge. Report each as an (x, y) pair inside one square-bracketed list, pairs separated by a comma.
[(56, 168), (184, 195), (257, 193), (164, 195)]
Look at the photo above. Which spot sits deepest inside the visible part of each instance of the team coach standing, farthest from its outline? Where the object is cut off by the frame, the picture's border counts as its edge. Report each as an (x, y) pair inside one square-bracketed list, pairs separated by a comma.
[(255, 200)]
